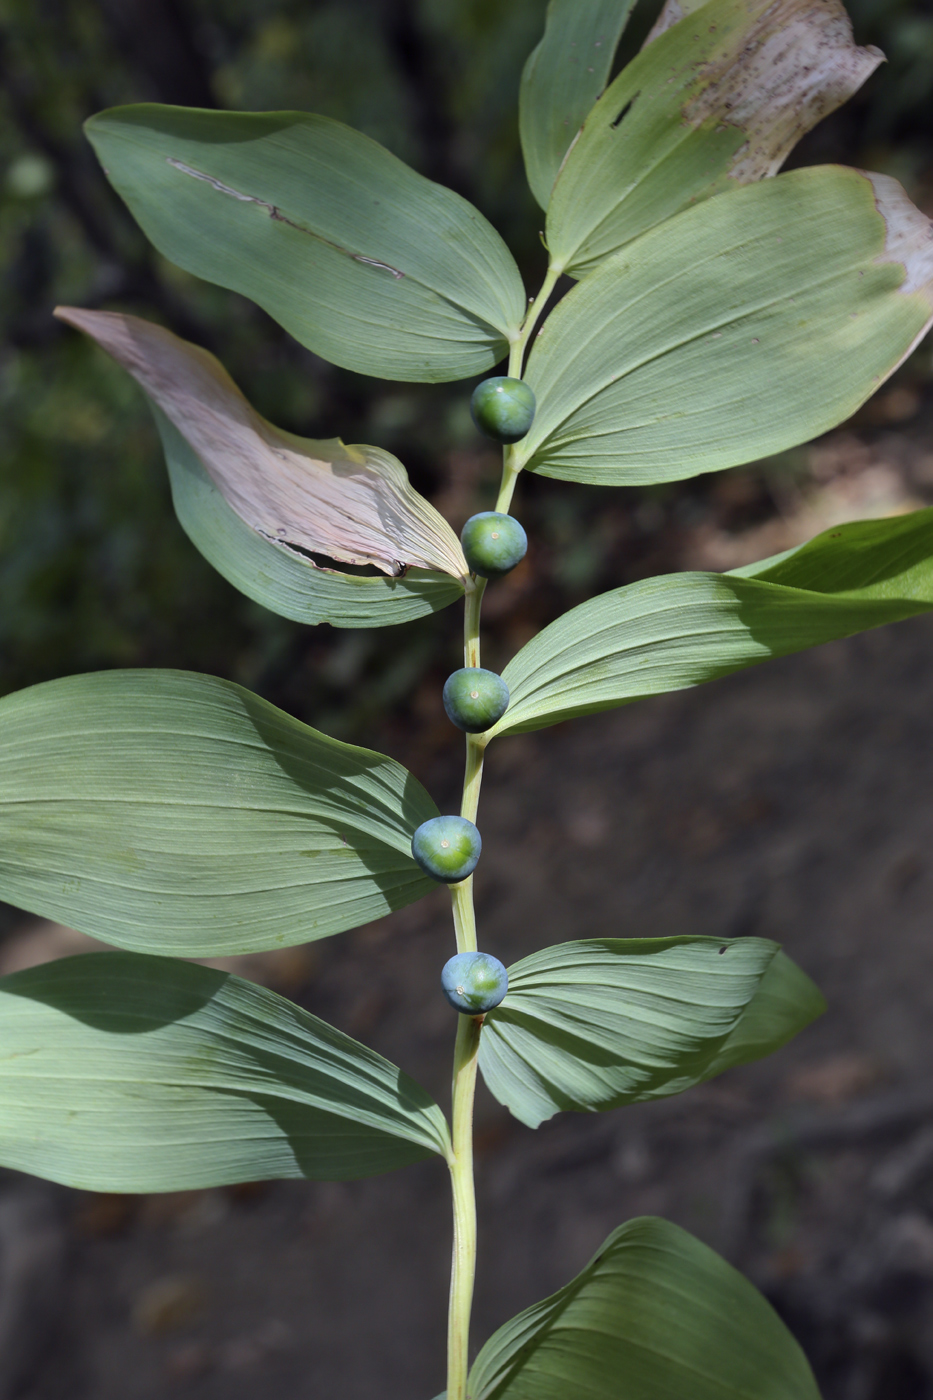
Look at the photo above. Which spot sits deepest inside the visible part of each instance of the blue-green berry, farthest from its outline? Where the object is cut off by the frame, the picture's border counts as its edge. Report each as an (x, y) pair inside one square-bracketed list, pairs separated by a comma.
[(493, 543), (503, 408), (475, 698), (474, 982), (447, 848)]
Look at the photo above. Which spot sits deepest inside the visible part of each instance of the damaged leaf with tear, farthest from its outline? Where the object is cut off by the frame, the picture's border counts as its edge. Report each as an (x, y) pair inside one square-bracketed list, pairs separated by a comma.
[(719, 97), (562, 79), (359, 257), (352, 504)]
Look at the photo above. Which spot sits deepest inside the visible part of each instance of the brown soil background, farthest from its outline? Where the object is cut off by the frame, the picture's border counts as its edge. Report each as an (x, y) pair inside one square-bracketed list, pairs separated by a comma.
[(791, 802)]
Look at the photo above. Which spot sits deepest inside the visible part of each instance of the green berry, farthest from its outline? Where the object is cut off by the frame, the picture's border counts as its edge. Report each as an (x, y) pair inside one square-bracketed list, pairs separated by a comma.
[(475, 698), (493, 543), (474, 982), (447, 848), (503, 408)]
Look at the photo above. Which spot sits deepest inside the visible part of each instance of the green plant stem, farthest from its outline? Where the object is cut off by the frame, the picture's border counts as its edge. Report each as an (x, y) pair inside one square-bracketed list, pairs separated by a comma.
[(512, 461), (471, 611), (464, 920), (510, 471), (463, 1264), (473, 775), (532, 316)]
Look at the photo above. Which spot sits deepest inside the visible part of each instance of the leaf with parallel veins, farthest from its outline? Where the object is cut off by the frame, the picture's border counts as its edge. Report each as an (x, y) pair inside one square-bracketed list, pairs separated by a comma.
[(120, 1072), (680, 630), (656, 1311), (602, 1022), (739, 328), (562, 78), (168, 812), (717, 100), (360, 258)]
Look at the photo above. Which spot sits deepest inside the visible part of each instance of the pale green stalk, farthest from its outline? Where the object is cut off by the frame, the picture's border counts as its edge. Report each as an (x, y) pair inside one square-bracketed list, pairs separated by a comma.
[(517, 352), (511, 461), (464, 918), (463, 1264)]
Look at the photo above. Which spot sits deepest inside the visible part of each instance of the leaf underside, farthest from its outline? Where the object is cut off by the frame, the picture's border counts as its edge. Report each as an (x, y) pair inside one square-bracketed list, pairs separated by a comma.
[(120, 1072), (362, 260), (257, 501), (741, 327), (354, 504), (679, 630), (718, 100), (655, 1315), (168, 812), (562, 79), (597, 1024)]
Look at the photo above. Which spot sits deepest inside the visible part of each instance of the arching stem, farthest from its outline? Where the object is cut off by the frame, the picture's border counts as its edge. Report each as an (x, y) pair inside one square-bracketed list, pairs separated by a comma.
[(463, 1264)]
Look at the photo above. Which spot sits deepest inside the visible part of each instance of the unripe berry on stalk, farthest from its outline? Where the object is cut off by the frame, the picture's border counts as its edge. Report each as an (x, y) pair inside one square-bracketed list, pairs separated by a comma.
[(474, 982), (447, 848), (475, 698), (503, 408), (493, 543)]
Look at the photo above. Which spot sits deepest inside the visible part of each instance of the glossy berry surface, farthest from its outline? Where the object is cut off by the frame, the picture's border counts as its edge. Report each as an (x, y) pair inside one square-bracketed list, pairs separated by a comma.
[(493, 543), (447, 848), (503, 408), (474, 982), (475, 698)]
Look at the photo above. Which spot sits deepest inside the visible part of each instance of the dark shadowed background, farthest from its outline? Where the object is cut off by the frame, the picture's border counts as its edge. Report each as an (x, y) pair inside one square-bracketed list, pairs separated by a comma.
[(793, 802)]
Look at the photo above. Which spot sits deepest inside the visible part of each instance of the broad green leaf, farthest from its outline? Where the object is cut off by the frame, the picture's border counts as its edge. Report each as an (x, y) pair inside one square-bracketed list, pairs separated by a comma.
[(361, 259), (718, 100), (231, 469), (596, 1024), (740, 327), (170, 812), (655, 1315), (562, 79), (127, 1073), (678, 630)]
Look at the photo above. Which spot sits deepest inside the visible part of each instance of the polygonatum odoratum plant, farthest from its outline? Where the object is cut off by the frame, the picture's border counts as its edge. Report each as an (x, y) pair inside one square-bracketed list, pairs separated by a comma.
[(716, 312)]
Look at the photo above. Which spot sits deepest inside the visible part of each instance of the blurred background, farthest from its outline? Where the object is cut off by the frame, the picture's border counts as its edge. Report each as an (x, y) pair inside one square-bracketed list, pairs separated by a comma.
[(792, 802)]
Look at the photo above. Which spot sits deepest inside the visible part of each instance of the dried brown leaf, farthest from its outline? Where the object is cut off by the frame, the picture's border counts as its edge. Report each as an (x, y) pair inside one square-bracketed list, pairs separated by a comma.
[(353, 504), (799, 63)]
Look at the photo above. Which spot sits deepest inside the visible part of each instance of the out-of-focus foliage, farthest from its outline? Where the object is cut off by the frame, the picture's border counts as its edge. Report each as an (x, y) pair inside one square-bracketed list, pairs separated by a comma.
[(94, 570)]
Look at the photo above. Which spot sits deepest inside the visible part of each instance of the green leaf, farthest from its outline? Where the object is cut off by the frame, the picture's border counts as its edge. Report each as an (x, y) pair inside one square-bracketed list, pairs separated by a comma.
[(251, 496), (170, 812), (743, 326), (362, 260), (562, 79), (597, 1024), (785, 1003), (127, 1073), (681, 629), (655, 1315), (720, 99)]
